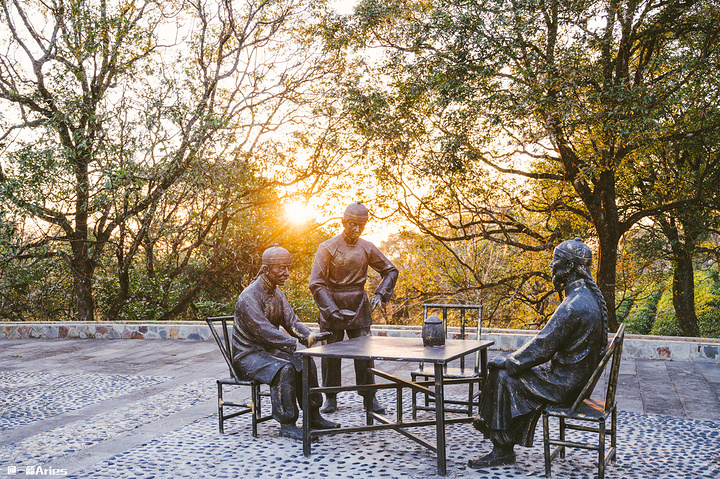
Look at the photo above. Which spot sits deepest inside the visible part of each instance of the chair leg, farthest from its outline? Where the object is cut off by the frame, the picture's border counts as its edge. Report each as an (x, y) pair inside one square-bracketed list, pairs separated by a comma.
[(399, 404), (220, 408), (470, 398), (613, 434), (427, 398), (562, 437), (413, 396), (601, 450), (546, 443), (255, 407), (257, 401)]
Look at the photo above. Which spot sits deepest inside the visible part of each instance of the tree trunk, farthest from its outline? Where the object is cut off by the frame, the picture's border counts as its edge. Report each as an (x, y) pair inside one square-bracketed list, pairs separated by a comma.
[(122, 294), (602, 206), (683, 247), (82, 266), (82, 280), (607, 268), (684, 294)]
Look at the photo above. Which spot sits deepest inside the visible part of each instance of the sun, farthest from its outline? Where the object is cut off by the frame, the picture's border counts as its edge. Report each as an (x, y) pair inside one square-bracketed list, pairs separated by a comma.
[(299, 212)]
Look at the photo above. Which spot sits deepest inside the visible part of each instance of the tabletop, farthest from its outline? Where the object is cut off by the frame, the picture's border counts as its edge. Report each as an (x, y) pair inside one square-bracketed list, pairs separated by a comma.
[(396, 349)]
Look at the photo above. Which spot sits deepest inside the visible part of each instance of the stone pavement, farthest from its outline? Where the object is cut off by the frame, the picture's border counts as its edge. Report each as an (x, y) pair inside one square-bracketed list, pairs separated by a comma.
[(147, 409)]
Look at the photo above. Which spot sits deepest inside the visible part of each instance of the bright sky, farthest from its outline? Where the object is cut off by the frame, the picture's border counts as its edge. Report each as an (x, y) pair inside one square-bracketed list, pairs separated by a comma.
[(344, 7), (299, 212)]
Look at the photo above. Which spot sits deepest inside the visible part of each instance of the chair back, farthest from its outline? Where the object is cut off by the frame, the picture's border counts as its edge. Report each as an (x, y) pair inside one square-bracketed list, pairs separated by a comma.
[(614, 352), (465, 324), (615, 369), (222, 339)]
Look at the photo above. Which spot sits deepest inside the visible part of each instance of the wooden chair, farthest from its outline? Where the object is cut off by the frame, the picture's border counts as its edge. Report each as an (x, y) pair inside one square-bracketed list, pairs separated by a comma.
[(475, 373), (589, 410), (222, 339)]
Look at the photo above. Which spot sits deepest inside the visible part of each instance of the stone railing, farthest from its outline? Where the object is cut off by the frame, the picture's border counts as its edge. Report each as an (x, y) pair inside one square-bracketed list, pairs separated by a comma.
[(638, 347)]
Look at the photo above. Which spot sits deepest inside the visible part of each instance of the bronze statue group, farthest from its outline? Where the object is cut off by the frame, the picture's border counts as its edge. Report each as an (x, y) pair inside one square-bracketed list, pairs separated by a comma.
[(550, 369)]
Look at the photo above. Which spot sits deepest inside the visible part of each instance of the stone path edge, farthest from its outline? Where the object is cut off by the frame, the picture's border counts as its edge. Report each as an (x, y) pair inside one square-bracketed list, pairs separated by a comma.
[(704, 350)]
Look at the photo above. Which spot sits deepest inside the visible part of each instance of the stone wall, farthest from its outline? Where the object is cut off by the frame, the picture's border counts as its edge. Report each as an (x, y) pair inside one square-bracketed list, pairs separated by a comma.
[(69, 330), (635, 346)]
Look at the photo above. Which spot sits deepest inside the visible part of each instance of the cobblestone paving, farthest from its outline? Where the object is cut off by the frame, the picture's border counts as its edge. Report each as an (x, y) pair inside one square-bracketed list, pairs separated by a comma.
[(161, 423), (29, 397), (90, 431), (651, 447)]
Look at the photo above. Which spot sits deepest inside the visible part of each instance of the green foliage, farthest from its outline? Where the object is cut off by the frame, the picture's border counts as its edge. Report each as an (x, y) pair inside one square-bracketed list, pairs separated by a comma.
[(707, 301), (150, 147), (641, 317), (665, 320), (623, 309), (206, 309), (303, 304), (563, 100), (35, 289), (707, 307)]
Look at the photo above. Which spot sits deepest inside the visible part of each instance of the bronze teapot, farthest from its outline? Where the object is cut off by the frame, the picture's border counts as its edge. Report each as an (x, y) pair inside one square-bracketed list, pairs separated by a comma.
[(433, 332)]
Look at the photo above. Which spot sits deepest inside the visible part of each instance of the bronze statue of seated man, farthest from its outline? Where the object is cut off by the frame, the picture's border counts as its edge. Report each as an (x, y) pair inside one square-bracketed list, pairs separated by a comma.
[(550, 369), (261, 351)]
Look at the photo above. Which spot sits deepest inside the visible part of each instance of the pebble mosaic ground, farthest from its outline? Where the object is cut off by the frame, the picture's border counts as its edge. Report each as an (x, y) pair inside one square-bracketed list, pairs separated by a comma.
[(129, 410), (655, 447), (34, 396)]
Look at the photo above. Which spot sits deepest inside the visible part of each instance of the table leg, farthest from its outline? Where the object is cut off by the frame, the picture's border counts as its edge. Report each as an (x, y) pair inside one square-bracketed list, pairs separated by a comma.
[(368, 403), (306, 404), (399, 404), (440, 418), (483, 364)]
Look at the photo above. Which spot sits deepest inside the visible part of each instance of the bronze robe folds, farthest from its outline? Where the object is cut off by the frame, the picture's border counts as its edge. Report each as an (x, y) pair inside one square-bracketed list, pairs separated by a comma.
[(259, 348), (572, 343), (338, 277)]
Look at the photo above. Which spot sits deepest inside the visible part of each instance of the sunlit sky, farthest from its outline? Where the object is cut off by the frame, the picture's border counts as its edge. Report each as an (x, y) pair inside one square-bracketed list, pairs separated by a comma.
[(344, 6), (300, 212)]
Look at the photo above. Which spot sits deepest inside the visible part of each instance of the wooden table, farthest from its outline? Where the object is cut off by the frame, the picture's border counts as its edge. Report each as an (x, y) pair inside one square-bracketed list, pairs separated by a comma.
[(393, 349)]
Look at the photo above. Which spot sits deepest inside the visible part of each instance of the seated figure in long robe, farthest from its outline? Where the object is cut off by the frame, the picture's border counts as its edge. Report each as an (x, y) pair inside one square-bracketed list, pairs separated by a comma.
[(263, 352), (550, 369)]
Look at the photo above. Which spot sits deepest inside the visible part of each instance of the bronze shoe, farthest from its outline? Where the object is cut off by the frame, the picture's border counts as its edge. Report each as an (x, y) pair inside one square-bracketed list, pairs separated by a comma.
[(494, 459)]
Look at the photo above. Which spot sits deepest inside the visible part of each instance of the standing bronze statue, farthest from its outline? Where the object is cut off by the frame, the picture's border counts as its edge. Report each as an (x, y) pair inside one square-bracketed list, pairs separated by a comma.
[(262, 352), (550, 369), (337, 283)]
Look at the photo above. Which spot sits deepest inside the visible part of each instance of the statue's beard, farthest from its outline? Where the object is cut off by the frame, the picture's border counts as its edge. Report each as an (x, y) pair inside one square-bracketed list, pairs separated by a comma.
[(559, 281)]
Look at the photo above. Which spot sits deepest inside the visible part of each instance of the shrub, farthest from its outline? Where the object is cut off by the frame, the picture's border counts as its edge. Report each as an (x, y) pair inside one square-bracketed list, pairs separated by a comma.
[(707, 301), (640, 318), (665, 320), (707, 306)]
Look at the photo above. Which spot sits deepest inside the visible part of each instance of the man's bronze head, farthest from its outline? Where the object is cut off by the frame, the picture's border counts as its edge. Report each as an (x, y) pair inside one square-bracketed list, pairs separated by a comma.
[(574, 250), (567, 256), (276, 264), (354, 220)]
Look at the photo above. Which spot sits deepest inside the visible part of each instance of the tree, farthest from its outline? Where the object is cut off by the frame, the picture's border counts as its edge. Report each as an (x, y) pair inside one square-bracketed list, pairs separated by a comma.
[(465, 273), (561, 95), (677, 167), (114, 109)]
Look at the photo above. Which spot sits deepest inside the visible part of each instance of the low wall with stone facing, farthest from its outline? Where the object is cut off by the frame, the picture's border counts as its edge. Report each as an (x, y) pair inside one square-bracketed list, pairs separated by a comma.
[(69, 330), (635, 346)]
